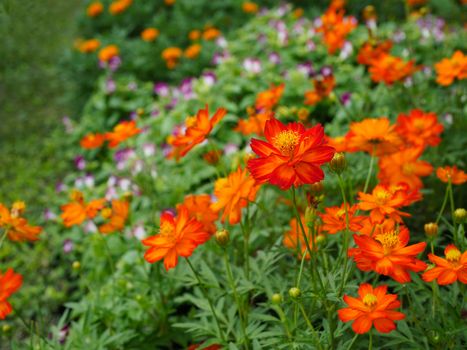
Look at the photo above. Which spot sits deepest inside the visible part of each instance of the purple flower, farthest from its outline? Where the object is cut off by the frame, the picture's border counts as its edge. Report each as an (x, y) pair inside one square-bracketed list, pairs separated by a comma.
[(89, 180), (274, 58), (326, 71), (220, 57), (306, 68), (90, 227), (310, 45), (114, 63), (398, 36), (63, 334), (252, 65), (122, 156), (186, 89), (132, 86), (209, 78), (149, 149), (67, 123), (49, 215), (68, 246), (346, 50), (110, 86), (138, 231), (60, 187), (155, 112), (221, 42), (80, 162), (161, 89), (345, 98), (171, 105), (230, 148)]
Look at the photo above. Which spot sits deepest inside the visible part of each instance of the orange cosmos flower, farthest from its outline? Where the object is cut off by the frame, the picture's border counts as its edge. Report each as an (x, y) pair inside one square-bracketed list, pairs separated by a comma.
[(335, 27), (387, 253), (108, 52), (211, 34), (334, 220), (199, 207), (89, 46), (448, 69), (149, 34), (292, 155), (192, 51), (194, 34), (233, 193), (95, 9), (404, 166), (197, 130), (119, 6), (373, 135), (249, 7), (269, 98), (370, 228), (16, 227), (449, 270), (419, 128), (78, 210), (371, 51), (178, 236), (91, 141), (447, 173), (169, 2), (116, 217), (384, 201), (213, 156), (294, 239), (254, 124), (373, 307), (10, 282), (121, 132), (322, 89), (171, 55), (390, 69)]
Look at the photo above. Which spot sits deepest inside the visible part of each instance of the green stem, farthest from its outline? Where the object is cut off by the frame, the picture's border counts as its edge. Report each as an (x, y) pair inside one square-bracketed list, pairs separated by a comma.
[(284, 321), (370, 344), (443, 205), (3, 237), (310, 325), (205, 293), (346, 236), (353, 341), (370, 171), (451, 199)]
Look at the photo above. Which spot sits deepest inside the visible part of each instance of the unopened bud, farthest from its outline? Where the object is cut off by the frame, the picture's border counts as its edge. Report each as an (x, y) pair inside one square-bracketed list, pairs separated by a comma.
[(317, 187), (369, 12), (140, 111), (76, 265), (6, 328), (460, 214), (222, 237), (338, 163), (276, 299), (294, 292), (431, 229), (320, 238)]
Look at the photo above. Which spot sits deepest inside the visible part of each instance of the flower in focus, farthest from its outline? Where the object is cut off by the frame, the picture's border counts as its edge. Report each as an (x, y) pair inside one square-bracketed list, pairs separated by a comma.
[(373, 135), (269, 98), (404, 166), (387, 253), (373, 307), (449, 270), (95, 9), (192, 51), (291, 155), (453, 174), (323, 87), (10, 282), (199, 207), (334, 220), (197, 130), (16, 227), (149, 34), (249, 7), (233, 193), (390, 69), (254, 124), (211, 34), (108, 52), (449, 69), (91, 141), (171, 55), (293, 239), (178, 236), (115, 216), (121, 132), (77, 211), (370, 51), (119, 6), (419, 128), (88, 46)]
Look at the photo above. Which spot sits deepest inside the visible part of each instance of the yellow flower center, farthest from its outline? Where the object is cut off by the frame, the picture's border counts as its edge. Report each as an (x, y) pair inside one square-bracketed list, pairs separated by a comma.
[(106, 213), (389, 240), (286, 141), (419, 124), (76, 196), (190, 121), (167, 230), (408, 168), (453, 255), (382, 196), (341, 213), (370, 300)]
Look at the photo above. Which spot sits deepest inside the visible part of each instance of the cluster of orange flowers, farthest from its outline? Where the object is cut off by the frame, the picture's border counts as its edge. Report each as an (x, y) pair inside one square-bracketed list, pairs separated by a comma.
[(116, 7), (450, 69), (150, 34), (120, 133)]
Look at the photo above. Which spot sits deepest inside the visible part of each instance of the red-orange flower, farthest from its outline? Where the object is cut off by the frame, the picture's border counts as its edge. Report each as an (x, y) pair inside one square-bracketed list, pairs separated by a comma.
[(334, 220), (95, 9), (119, 6), (197, 130), (449, 270), (91, 141), (419, 128), (269, 98), (211, 33), (335, 27), (390, 69), (387, 253), (116, 216), (448, 69), (447, 173), (293, 239), (75, 212), (108, 52), (150, 34), (370, 228), (373, 307), (88, 46), (255, 123), (233, 194), (178, 236), (292, 155), (121, 132), (370, 52), (17, 227), (199, 207), (10, 282), (322, 88), (171, 55), (404, 166), (373, 135)]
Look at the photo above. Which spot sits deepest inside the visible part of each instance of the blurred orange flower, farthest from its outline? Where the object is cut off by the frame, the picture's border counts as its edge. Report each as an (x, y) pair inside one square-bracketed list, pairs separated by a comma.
[(91, 141), (171, 55), (292, 155), (169, 2), (335, 27), (192, 51), (254, 124), (150, 34), (249, 7), (334, 219), (449, 270), (75, 212), (269, 98), (448, 69), (194, 35), (88, 46), (119, 6), (10, 282), (419, 128), (390, 69), (108, 52), (322, 89), (16, 227), (116, 217), (233, 193), (199, 207), (197, 130), (178, 236), (95, 9), (293, 239), (211, 34), (373, 307), (371, 51), (453, 174), (121, 132)]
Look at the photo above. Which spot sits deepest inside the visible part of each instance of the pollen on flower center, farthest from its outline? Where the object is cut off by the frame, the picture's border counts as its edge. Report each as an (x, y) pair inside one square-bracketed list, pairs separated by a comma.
[(382, 196), (408, 168), (453, 255), (370, 300), (167, 230), (389, 239), (286, 141)]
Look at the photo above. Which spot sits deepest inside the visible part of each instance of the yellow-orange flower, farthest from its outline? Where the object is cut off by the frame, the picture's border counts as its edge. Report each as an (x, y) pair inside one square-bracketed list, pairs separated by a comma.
[(254, 124), (199, 207), (116, 217), (449, 270), (16, 227), (249, 7), (95, 9), (233, 193), (10, 282), (419, 128), (194, 35), (91, 141), (269, 98), (335, 27), (322, 89), (449, 69), (150, 34), (192, 51), (453, 174), (108, 52), (119, 6), (335, 219), (211, 34), (88, 46), (169, 2), (390, 69), (121, 132), (370, 51), (171, 55), (75, 212)]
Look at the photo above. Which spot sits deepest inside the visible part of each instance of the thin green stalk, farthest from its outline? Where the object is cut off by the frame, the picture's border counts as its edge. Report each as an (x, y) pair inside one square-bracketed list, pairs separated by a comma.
[(370, 344), (353, 341), (310, 325), (3, 238), (205, 293), (370, 171), (453, 208), (346, 236), (443, 205), (284, 321)]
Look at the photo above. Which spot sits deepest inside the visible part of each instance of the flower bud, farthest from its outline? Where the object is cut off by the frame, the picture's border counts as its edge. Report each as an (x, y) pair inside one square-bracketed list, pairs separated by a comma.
[(338, 163), (6, 328), (320, 238), (222, 237), (460, 214), (317, 187), (431, 229), (294, 292), (76, 265), (276, 299), (140, 111), (369, 13)]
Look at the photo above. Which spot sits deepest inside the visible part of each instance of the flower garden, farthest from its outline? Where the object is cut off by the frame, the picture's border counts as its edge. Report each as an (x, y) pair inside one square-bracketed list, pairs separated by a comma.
[(251, 175)]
